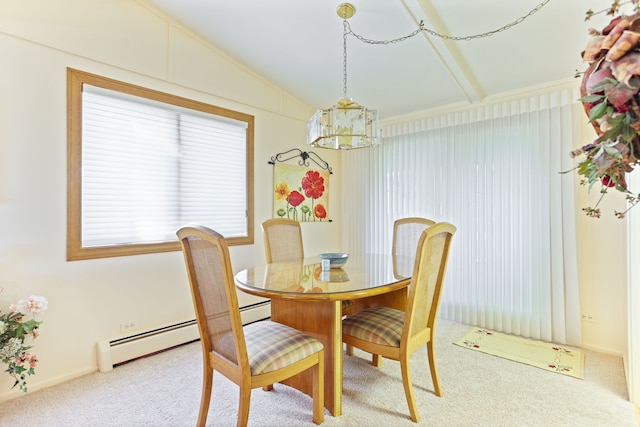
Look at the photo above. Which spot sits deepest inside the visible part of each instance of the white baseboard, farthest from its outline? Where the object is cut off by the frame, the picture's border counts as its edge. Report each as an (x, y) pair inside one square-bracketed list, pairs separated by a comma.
[(35, 386), (602, 350)]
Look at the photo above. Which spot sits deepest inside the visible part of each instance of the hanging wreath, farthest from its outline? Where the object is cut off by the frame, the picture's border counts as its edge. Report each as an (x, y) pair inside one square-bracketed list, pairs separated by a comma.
[(609, 94)]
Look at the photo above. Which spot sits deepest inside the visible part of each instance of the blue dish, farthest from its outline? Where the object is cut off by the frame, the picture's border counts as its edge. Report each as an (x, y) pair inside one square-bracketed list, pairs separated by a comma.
[(336, 259)]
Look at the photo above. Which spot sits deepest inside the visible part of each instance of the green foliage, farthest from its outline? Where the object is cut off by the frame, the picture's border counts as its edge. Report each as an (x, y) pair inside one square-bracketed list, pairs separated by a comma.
[(14, 330)]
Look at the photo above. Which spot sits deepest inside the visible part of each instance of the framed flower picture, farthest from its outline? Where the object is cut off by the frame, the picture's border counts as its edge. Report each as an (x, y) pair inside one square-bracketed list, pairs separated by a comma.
[(300, 193)]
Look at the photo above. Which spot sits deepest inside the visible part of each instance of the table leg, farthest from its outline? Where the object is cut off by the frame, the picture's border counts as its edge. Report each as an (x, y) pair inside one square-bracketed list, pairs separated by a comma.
[(322, 320)]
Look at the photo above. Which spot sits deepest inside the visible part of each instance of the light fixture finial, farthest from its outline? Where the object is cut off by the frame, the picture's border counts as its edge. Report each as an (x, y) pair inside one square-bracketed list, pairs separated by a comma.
[(346, 10)]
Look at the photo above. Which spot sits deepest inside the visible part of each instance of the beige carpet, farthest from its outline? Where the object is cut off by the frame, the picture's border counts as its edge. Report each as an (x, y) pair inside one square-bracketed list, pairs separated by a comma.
[(550, 357), (479, 390)]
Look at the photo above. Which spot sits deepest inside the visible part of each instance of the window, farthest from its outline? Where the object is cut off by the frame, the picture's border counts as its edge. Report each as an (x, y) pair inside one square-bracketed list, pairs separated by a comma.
[(142, 163)]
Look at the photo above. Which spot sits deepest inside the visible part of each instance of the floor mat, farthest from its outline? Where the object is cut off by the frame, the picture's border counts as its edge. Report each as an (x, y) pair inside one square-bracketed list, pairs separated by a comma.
[(547, 356)]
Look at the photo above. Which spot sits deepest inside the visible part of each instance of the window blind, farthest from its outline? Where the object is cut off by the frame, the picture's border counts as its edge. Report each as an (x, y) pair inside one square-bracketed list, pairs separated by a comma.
[(149, 167)]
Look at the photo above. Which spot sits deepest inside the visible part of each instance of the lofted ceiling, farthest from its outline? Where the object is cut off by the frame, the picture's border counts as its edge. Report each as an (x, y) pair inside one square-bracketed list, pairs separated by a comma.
[(298, 44)]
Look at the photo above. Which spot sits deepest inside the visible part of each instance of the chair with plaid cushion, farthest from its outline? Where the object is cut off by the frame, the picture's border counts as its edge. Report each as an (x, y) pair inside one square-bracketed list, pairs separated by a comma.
[(406, 233), (256, 355), (396, 334)]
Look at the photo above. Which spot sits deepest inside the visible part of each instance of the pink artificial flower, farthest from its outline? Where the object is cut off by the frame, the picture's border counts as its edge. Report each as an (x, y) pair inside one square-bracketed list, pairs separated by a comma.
[(13, 308), (33, 361), (33, 305), (22, 358)]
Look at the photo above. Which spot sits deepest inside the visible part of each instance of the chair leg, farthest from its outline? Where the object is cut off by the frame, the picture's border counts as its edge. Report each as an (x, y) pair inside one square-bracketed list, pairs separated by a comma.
[(243, 407), (205, 399), (349, 350), (376, 360), (268, 387), (318, 390), (434, 369), (408, 388), (347, 309)]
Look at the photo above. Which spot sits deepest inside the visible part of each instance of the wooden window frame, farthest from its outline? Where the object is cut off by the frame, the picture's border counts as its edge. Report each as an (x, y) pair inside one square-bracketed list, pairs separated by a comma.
[(75, 81)]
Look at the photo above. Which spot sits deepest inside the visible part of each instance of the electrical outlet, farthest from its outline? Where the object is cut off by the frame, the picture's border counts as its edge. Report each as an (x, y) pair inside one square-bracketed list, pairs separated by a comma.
[(588, 317), (128, 326)]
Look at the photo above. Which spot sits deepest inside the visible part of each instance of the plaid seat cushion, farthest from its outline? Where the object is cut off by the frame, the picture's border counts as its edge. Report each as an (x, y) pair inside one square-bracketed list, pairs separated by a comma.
[(272, 345), (379, 325)]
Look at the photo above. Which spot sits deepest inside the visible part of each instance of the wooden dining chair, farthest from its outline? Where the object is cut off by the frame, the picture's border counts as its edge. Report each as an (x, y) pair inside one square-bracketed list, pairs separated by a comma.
[(256, 355), (406, 233), (282, 240), (396, 334)]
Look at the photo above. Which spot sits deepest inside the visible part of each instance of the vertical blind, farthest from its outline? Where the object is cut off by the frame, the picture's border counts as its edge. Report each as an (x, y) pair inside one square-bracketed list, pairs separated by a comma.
[(149, 167), (493, 172)]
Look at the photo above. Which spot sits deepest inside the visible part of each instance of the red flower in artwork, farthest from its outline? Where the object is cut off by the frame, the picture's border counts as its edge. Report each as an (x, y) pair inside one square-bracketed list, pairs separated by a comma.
[(295, 198), (313, 184), (319, 211)]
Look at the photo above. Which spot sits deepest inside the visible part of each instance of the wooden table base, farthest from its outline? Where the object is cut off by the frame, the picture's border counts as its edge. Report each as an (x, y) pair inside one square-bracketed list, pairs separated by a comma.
[(322, 319)]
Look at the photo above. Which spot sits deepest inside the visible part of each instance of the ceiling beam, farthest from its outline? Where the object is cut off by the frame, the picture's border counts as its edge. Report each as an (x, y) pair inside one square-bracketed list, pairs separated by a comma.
[(445, 50)]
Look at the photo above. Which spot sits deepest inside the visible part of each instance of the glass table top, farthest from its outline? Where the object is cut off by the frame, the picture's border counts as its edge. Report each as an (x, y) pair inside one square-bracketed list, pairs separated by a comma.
[(361, 273)]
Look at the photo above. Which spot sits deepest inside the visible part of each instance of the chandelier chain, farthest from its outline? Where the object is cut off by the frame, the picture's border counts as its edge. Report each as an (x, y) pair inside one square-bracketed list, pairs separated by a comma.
[(348, 30), (345, 24)]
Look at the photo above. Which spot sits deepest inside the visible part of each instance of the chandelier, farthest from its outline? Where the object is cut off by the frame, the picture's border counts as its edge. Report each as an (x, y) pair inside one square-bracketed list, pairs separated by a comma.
[(346, 124)]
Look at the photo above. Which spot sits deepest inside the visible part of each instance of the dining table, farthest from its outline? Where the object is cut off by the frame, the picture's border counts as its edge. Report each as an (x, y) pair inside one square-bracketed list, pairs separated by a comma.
[(314, 301)]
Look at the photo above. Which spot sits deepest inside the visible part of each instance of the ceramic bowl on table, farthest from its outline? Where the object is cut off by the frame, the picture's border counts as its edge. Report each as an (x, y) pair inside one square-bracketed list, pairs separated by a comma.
[(336, 259)]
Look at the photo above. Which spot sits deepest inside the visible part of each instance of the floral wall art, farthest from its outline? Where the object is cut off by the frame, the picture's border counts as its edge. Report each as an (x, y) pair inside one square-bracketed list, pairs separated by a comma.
[(300, 193)]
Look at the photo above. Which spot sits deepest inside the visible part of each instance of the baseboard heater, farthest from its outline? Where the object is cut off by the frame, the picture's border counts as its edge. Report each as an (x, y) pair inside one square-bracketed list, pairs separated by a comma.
[(123, 349)]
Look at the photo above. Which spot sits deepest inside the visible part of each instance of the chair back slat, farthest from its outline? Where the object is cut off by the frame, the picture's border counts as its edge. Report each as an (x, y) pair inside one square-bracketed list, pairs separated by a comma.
[(282, 240), (426, 283), (406, 233)]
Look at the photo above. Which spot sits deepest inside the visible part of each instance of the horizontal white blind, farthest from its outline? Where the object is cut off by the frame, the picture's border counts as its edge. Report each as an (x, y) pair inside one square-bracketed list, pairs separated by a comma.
[(213, 184), (149, 167)]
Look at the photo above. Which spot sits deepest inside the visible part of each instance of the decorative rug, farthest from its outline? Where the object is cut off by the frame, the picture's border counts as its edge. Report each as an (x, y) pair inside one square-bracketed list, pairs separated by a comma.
[(550, 357)]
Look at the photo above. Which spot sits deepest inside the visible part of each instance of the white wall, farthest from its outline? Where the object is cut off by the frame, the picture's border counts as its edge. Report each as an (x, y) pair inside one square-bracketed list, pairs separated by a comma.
[(602, 260), (632, 355), (123, 40)]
